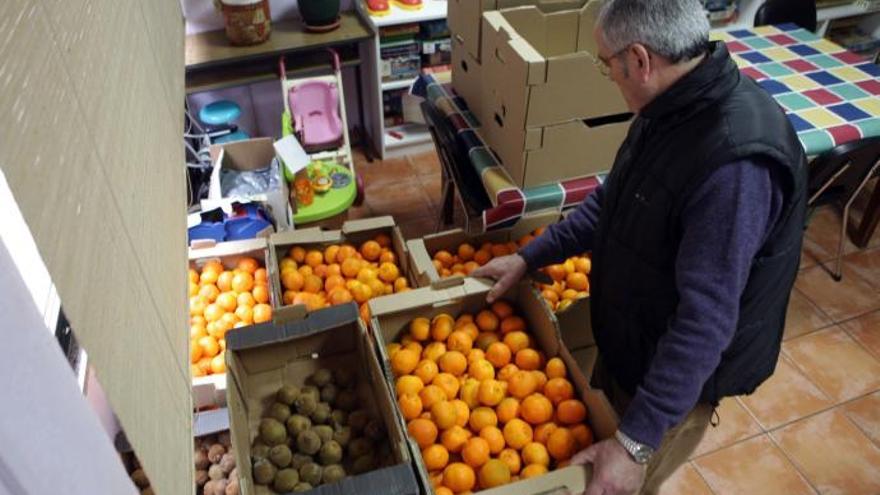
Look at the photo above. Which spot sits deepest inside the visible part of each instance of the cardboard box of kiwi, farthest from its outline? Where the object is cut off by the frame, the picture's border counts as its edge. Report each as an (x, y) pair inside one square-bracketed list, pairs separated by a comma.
[(392, 315), (354, 232), (210, 391), (320, 374), (574, 321)]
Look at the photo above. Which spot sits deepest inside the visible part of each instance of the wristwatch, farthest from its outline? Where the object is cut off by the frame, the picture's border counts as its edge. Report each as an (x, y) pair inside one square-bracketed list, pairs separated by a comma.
[(639, 452)]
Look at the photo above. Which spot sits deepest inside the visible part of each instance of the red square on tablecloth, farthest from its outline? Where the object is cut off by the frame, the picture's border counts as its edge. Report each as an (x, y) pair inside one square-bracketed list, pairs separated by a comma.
[(753, 73), (782, 39), (737, 47), (871, 86), (822, 96), (801, 65), (849, 57), (844, 133)]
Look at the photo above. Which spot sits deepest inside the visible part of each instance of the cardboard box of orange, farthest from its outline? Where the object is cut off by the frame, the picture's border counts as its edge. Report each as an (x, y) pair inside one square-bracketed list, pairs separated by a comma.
[(391, 318), (287, 351), (210, 390), (353, 232)]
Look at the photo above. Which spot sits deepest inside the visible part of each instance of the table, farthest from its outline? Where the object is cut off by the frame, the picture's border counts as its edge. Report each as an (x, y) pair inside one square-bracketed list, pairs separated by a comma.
[(830, 95)]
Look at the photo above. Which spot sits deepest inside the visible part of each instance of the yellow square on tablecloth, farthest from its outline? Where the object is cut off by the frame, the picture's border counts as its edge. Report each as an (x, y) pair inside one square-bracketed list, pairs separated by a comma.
[(779, 54), (799, 83), (825, 46), (869, 105), (739, 61), (848, 73), (720, 36), (766, 30), (820, 117)]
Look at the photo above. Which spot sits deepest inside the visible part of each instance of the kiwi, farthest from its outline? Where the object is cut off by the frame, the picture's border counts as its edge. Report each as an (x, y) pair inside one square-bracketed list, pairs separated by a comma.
[(359, 447), (343, 377), (338, 418), (287, 394), (272, 433), (306, 404), (259, 450), (285, 480), (279, 411), (215, 453), (200, 459), (311, 473), (215, 472), (202, 477), (325, 433), (300, 460), (302, 487), (333, 473), (264, 471), (312, 391), (330, 453), (363, 464), (308, 442), (281, 456), (358, 420), (233, 488), (298, 423), (227, 462), (345, 400), (342, 436), (322, 377), (321, 414), (328, 393), (375, 430), (263, 490)]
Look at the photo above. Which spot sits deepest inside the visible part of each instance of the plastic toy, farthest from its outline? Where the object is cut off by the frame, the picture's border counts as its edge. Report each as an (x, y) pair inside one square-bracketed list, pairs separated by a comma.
[(378, 8), (409, 4)]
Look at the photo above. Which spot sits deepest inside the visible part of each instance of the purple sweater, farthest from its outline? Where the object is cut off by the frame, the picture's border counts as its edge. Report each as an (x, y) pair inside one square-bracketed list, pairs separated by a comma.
[(725, 222)]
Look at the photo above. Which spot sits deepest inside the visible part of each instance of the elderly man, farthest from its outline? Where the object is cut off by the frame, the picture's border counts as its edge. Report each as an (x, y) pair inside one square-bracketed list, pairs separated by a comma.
[(695, 238)]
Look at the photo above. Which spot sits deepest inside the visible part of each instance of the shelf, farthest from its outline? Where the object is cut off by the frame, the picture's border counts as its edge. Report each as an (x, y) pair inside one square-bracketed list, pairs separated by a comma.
[(413, 134), (392, 85), (841, 11), (430, 11)]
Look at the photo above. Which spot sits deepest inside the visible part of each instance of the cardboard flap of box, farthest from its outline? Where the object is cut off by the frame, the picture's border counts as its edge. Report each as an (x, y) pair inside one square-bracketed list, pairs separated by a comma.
[(311, 235), (281, 330), (353, 226), (565, 481), (212, 249), (447, 290)]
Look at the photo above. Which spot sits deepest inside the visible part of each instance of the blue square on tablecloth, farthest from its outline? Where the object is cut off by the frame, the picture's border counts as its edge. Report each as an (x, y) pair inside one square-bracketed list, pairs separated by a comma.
[(803, 50), (870, 69), (798, 123), (755, 57), (825, 61), (849, 112), (741, 33), (788, 26), (824, 78), (774, 87)]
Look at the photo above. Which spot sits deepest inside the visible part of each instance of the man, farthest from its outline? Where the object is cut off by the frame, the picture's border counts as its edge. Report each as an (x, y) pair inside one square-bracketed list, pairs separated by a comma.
[(695, 238)]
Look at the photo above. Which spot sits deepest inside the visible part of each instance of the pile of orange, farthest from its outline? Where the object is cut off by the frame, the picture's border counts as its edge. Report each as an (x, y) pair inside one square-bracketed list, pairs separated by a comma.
[(485, 407), (220, 300), (340, 274), (570, 279)]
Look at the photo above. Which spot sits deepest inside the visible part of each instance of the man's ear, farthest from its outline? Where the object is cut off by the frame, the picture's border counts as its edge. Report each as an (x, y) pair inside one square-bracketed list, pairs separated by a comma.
[(643, 61)]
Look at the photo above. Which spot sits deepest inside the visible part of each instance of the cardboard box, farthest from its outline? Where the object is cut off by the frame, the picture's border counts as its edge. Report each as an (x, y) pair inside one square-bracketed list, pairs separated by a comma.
[(210, 391), (270, 355), (391, 317), (467, 79), (251, 154), (353, 232)]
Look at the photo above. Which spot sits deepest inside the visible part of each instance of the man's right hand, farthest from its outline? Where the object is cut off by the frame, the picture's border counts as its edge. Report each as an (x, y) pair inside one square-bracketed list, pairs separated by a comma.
[(506, 271)]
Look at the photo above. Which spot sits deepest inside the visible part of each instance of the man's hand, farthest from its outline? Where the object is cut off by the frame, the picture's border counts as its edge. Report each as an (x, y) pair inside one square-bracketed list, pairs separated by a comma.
[(614, 471), (506, 271)]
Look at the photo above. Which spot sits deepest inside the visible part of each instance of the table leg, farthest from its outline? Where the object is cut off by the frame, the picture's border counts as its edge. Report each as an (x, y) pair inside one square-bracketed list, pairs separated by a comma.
[(870, 219)]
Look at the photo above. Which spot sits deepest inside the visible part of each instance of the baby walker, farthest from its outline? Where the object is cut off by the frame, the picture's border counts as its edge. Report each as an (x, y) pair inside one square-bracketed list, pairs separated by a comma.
[(314, 111)]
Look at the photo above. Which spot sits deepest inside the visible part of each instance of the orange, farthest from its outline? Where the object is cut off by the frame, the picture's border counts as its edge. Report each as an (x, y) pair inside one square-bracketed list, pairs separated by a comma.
[(481, 370), (364, 312), (570, 412), (443, 414), (197, 331), (498, 354), (404, 362), (434, 350), (334, 269), (470, 392), (210, 347), (400, 284), (512, 324), (377, 288), (350, 267), (210, 292), (441, 328), (292, 280), (440, 269), (298, 254), (361, 292), (577, 281), (475, 452), (339, 295), (423, 431), (248, 264), (487, 321), (436, 457), (388, 272), (502, 309), (444, 257), (476, 355), (314, 258), (459, 477), (384, 240), (448, 383), (213, 312), (193, 276), (333, 281), (481, 257), (517, 341), (551, 297), (442, 490), (507, 409), (371, 250), (543, 432), (287, 264), (387, 256), (193, 289), (262, 313), (426, 370), (209, 276), (582, 264), (195, 351), (558, 390), (517, 433), (556, 272), (511, 459), (227, 301), (482, 417), (345, 252), (430, 395), (196, 371), (305, 270), (533, 470), (420, 329), (507, 372), (536, 409), (218, 363), (466, 252), (485, 339), (470, 328), (453, 362), (491, 392), (204, 365), (583, 436), (261, 294), (460, 341), (561, 444), (494, 473), (462, 412), (463, 319), (499, 250), (536, 453), (540, 379), (410, 406), (367, 274), (246, 299), (242, 282), (494, 437), (522, 384), (528, 359), (408, 384), (455, 438), (555, 368)]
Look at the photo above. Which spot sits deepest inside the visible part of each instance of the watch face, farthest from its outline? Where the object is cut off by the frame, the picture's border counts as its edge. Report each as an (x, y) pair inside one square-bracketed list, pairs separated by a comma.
[(642, 454)]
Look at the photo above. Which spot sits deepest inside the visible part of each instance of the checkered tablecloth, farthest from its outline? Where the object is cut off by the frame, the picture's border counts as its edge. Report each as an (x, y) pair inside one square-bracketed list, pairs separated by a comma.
[(831, 96)]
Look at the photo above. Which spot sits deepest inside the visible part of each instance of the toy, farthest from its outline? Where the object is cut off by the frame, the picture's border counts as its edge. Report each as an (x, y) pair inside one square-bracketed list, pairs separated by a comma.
[(409, 4), (378, 8)]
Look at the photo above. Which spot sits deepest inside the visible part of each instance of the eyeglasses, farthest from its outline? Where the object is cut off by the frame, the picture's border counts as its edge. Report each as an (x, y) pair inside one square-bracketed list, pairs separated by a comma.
[(604, 65)]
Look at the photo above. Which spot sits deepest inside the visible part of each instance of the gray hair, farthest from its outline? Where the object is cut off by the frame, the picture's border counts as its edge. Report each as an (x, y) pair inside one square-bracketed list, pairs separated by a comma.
[(676, 29)]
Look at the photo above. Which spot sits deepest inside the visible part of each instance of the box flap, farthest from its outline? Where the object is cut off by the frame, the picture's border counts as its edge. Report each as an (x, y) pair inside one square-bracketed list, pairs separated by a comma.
[(449, 289), (354, 226), (249, 154), (312, 235), (269, 333), (571, 479), (218, 249)]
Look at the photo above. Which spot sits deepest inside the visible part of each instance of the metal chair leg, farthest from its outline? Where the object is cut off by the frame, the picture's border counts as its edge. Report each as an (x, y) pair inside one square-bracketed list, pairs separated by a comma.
[(838, 271)]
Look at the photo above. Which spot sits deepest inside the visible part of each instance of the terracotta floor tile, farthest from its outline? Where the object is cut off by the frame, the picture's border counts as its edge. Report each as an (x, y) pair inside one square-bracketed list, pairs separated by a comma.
[(824, 232), (867, 265), (803, 316), (866, 330), (850, 297), (753, 467), (786, 396), (686, 481), (403, 199), (865, 413), (382, 172), (832, 453), (735, 424), (419, 227), (836, 363), (425, 163), (432, 188)]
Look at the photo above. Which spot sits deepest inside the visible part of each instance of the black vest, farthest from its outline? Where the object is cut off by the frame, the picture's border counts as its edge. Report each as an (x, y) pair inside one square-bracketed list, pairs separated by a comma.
[(711, 117)]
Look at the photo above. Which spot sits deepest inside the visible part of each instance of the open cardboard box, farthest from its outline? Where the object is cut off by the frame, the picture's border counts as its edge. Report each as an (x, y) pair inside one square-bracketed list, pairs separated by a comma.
[(251, 154), (210, 391), (353, 232), (467, 78), (390, 320), (286, 351)]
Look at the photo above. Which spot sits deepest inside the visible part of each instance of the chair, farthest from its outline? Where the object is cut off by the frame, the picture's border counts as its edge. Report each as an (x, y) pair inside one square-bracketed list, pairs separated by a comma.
[(839, 175), (800, 12)]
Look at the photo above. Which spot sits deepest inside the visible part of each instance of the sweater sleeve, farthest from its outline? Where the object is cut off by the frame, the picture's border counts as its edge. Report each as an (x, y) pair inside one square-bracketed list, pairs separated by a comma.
[(724, 222), (571, 237)]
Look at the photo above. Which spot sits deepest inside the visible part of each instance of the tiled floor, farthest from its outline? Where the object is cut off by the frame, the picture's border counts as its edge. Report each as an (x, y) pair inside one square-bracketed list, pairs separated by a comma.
[(814, 427)]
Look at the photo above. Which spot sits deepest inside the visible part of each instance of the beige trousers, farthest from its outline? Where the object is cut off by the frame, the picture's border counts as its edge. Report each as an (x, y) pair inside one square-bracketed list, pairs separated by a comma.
[(679, 442)]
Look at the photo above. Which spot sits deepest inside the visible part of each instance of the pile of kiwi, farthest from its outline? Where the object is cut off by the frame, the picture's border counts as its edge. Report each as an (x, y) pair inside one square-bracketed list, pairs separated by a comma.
[(216, 473), (316, 434)]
